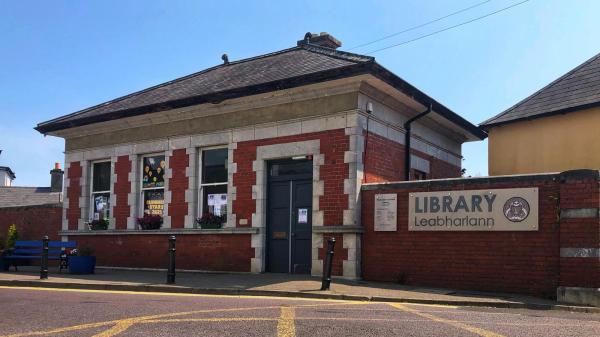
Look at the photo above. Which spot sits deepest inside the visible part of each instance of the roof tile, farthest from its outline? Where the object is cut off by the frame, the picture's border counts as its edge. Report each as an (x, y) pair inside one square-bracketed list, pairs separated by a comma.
[(578, 87)]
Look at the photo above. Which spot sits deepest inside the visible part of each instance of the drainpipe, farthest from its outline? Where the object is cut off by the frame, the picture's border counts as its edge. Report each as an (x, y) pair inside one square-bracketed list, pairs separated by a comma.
[(407, 141), (369, 110)]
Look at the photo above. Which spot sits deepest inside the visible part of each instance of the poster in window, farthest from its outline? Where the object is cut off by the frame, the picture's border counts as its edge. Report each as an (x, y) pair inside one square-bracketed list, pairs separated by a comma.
[(154, 201), (218, 203), (153, 171), (101, 206)]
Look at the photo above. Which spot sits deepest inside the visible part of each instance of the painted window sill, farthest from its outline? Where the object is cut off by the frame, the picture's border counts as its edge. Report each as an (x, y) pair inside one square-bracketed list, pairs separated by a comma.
[(164, 231)]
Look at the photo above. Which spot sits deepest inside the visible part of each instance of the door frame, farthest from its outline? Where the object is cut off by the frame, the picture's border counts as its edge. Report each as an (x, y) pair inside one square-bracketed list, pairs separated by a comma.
[(265, 153), (291, 179)]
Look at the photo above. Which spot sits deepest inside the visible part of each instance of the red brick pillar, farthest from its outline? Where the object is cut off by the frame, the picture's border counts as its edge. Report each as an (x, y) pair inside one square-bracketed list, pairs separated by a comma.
[(74, 175), (122, 188), (178, 183), (579, 277)]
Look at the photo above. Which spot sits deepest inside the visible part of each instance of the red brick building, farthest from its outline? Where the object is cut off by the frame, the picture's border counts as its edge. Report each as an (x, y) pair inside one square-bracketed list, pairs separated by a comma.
[(36, 211), (250, 163)]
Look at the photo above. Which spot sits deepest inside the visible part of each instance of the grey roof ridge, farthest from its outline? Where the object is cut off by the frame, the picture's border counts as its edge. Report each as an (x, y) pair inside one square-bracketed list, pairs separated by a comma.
[(58, 119), (489, 121), (338, 54)]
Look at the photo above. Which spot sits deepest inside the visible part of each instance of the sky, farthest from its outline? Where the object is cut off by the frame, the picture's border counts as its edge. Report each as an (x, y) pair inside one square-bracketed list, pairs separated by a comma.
[(58, 57)]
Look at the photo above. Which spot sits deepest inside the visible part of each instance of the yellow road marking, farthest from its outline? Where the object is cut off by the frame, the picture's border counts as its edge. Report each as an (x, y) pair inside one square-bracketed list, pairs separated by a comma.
[(175, 294), (136, 319), (435, 305), (216, 319), (118, 328), (286, 326), (479, 331), (158, 316)]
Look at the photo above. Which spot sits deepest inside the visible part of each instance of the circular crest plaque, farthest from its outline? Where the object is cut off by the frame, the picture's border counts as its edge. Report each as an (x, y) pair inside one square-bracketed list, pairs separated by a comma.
[(516, 209)]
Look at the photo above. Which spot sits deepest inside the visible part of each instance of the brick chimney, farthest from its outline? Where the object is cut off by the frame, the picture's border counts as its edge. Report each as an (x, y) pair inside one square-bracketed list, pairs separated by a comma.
[(323, 40), (56, 178)]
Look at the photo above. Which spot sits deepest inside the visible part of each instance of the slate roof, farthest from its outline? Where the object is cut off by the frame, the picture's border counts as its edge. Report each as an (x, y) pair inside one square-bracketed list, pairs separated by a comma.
[(301, 65), (578, 89), (13, 196)]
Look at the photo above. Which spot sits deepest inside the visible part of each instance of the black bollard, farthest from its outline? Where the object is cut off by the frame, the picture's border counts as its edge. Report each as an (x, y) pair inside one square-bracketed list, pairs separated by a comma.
[(171, 269), (44, 264), (326, 281)]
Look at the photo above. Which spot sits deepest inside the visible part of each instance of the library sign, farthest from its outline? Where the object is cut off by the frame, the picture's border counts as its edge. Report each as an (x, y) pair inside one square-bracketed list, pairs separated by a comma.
[(511, 209)]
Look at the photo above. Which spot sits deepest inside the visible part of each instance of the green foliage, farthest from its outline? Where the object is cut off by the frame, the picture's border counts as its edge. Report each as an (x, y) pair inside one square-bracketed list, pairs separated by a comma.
[(99, 225), (12, 237), (86, 251), (2, 242)]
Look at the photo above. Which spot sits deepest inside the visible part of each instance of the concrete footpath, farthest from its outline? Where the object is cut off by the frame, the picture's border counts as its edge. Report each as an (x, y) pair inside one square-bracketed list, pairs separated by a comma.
[(283, 285)]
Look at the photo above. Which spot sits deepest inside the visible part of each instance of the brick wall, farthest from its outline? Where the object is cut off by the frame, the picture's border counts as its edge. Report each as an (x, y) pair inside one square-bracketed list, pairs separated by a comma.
[(122, 188), (178, 183), (339, 253), (581, 232), (74, 174), (201, 252), (384, 161), (33, 222), (522, 262), (333, 144)]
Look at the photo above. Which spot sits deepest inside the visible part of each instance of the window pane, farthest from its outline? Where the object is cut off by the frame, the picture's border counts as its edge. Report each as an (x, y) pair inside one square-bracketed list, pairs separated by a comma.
[(101, 206), (214, 200), (291, 168), (101, 176), (154, 201), (214, 166), (153, 171)]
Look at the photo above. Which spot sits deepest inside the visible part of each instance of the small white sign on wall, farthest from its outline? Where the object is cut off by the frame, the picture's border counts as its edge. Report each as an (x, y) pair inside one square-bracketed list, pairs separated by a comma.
[(386, 212)]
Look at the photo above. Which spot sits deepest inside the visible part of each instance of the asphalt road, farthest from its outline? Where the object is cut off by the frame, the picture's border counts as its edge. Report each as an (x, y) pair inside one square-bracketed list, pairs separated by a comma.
[(54, 312)]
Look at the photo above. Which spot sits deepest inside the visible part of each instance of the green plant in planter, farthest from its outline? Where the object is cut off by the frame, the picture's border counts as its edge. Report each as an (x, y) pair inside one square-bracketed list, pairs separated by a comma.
[(101, 224), (86, 251), (12, 237), (149, 222), (210, 221)]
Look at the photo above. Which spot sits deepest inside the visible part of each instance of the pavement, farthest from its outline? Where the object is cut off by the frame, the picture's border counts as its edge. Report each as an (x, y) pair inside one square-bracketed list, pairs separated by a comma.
[(283, 285), (41, 311)]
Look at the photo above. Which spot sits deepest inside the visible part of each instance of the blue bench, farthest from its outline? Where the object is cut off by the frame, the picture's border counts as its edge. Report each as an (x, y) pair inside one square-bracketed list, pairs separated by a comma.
[(32, 251)]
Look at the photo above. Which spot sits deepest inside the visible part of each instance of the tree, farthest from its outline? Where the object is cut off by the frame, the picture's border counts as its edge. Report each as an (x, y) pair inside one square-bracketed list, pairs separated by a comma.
[(12, 237)]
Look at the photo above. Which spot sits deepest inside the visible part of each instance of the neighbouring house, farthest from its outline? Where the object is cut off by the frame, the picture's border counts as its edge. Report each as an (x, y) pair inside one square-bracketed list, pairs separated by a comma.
[(37, 211), (6, 176), (553, 130), (251, 163)]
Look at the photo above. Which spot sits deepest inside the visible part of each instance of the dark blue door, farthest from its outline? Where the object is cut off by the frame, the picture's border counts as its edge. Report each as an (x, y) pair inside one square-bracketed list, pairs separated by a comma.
[(289, 218)]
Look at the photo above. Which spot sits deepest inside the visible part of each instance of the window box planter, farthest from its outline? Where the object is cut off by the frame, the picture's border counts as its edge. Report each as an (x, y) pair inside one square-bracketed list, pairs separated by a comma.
[(82, 264), (98, 225), (210, 221), (150, 222)]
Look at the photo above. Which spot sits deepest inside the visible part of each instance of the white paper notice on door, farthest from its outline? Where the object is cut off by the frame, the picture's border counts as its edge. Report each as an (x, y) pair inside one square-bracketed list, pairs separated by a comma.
[(302, 215)]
